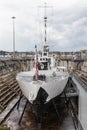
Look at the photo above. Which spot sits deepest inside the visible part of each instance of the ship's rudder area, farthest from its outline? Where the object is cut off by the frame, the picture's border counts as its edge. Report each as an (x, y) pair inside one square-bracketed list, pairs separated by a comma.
[(39, 103)]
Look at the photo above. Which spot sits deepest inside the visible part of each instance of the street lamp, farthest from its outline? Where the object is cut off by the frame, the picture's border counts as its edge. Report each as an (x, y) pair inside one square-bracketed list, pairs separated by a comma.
[(13, 18)]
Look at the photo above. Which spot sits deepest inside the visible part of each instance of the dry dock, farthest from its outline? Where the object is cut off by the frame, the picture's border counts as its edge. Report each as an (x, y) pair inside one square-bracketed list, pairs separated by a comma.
[(50, 121), (11, 115), (72, 108)]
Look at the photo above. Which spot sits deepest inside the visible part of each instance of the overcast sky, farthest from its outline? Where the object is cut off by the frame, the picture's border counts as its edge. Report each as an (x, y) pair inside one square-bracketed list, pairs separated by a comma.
[(66, 31)]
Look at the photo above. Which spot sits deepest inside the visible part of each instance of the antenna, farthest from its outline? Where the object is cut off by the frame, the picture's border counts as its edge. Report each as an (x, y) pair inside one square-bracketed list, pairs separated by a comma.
[(45, 20)]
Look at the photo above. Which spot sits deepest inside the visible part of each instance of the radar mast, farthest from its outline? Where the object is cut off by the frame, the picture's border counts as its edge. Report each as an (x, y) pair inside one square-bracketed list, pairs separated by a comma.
[(45, 45)]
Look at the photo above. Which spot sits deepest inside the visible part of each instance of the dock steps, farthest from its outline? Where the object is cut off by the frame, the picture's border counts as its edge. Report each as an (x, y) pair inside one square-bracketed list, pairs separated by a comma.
[(9, 88)]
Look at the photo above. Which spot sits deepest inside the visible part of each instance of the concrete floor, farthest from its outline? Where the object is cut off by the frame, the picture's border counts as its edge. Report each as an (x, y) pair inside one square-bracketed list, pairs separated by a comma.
[(28, 122)]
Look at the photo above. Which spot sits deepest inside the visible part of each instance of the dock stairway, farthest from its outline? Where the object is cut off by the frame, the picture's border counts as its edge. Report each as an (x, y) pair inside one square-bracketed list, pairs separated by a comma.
[(9, 89)]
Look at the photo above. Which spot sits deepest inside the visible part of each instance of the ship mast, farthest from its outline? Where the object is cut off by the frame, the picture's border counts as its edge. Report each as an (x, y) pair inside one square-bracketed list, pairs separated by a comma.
[(45, 24), (45, 46)]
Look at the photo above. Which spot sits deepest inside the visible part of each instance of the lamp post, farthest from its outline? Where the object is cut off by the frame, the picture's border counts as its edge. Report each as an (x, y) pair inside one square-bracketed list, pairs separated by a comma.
[(13, 18)]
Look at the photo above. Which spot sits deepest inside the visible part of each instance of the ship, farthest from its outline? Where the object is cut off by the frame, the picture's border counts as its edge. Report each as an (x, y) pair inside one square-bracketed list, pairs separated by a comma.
[(45, 81)]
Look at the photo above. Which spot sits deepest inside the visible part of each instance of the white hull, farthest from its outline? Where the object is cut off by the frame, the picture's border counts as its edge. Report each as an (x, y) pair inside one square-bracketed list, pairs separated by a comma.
[(54, 85)]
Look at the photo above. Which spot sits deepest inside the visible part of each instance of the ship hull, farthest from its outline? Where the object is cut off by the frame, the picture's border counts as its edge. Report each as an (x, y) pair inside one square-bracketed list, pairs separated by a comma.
[(41, 93), (53, 86)]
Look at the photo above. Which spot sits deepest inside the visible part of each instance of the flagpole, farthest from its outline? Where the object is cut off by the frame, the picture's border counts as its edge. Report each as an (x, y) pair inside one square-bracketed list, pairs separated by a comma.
[(36, 64)]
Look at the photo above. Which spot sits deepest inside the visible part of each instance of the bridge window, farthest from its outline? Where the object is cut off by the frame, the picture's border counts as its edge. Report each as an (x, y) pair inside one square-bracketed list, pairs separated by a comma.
[(45, 54)]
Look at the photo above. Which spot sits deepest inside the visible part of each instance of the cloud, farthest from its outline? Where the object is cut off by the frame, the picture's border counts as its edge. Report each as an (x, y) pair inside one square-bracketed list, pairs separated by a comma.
[(66, 27), (70, 29)]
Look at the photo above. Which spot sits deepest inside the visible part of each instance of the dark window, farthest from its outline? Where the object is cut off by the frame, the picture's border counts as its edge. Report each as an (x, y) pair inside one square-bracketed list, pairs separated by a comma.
[(45, 54)]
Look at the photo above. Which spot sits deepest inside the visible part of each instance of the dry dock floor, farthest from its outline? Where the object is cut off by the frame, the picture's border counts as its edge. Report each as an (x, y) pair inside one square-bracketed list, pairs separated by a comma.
[(29, 121)]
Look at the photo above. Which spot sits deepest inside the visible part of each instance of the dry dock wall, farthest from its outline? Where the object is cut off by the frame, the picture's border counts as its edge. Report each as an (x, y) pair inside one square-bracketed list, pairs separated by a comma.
[(68, 63), (28, 64), (82, 102), (16, 64)]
